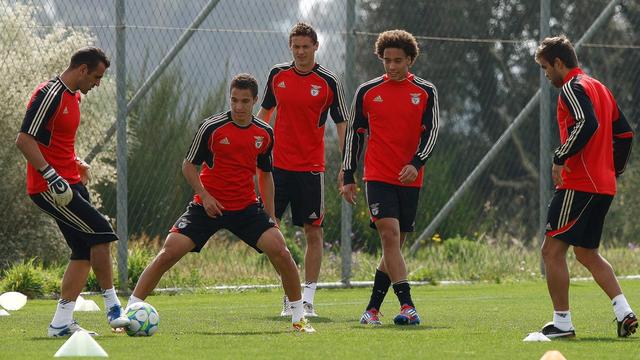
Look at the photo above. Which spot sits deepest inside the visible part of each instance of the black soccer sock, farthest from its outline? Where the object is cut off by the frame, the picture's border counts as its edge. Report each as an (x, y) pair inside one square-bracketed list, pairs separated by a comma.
[(381, 285), (403, 292)]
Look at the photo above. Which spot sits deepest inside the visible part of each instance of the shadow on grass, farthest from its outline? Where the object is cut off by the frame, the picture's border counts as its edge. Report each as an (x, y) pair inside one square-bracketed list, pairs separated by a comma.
[(243, 333), (594, 339), (312, 320), (399, 328)]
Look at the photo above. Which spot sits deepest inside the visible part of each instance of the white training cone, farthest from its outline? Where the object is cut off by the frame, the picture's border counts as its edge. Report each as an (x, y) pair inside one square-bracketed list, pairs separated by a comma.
[(85, 305), (553, 355), (4, 312), (13, 300), (81, 344), (536, 336)]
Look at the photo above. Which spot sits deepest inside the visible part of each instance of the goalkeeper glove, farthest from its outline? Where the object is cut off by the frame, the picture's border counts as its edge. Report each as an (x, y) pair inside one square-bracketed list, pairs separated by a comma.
[(58, 187)]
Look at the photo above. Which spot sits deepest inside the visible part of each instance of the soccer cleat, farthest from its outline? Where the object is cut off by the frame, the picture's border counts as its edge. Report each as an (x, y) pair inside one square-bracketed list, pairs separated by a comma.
[(370, 317), (286, 307), (309, 311), (628, 325), (67, 330), (408, 316), (550, 331), (303, 326), (117, 317)]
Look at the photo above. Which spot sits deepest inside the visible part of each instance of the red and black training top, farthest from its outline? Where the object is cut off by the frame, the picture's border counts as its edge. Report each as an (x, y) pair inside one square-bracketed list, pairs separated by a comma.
[(401, 118), (229, 154), (303, 102), (52, 118), (595, 136)]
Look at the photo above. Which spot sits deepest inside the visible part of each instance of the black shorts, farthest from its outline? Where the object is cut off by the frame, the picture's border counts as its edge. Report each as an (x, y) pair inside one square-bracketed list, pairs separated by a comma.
[(577, 217), (393, 201), (304, 190), (82, 225), (248, 224)]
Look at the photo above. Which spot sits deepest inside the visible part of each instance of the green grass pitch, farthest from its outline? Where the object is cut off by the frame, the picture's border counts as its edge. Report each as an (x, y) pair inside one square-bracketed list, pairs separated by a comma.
[(482, 321)]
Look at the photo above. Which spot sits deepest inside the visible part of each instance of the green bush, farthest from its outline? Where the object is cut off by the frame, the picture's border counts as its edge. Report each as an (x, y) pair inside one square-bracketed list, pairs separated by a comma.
[(139, 258), (27, 278)]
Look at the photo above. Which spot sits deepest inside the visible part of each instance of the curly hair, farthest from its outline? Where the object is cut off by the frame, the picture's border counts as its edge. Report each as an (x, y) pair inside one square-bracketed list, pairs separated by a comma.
[(399, 39)]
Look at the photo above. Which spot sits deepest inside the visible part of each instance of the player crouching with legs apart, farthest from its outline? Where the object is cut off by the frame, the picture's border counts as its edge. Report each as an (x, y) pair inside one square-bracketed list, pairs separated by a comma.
[(56, 181), (595, 145), (400, 112), (225, 196)]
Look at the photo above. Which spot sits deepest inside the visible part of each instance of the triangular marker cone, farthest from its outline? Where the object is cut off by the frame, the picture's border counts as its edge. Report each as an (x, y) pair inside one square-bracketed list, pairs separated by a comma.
[(13, 300), (536, 336), (553, 355), (81, 344), (86, 305)]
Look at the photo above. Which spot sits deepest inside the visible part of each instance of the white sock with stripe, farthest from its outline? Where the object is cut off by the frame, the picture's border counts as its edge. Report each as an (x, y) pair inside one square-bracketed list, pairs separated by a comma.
[(620, 307), (110, 298), (309, 292), (296, 310), (64, 313), (562, 320)]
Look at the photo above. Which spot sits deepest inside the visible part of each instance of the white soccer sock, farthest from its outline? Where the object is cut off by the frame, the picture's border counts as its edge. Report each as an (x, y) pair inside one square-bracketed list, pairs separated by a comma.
[(110, 298), (620, 307), (64, 313), (296, 310), (133, 300), (562, 320), (309, 292)]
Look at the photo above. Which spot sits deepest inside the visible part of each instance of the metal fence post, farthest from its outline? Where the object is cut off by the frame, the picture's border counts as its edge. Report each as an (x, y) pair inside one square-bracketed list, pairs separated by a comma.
[(121, 149), (347, 210), (545, 143)]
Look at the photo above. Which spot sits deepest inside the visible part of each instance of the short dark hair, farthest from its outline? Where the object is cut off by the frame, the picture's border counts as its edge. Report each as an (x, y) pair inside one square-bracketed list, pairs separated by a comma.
[(245, 81), (90, 56), (303, 29), (398, 39), (558, 47)]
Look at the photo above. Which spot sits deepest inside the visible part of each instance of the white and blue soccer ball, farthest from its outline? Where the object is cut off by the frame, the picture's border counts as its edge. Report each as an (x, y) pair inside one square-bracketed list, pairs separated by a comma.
[(144, 319)]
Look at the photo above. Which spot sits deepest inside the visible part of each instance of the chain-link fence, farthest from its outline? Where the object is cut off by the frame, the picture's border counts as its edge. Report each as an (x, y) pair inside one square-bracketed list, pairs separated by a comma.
[(479, 54)]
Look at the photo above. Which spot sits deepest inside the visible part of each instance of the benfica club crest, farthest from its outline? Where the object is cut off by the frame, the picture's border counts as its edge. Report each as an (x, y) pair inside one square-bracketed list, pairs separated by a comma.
[(315, 90), (259, 140), (415, 99)]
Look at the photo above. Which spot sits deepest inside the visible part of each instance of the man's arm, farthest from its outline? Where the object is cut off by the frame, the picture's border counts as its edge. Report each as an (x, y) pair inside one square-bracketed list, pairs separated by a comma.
[(622, 141), (265, 115), (353, 145), (28, 145), (210, 204), (267, 189), (341, 129)]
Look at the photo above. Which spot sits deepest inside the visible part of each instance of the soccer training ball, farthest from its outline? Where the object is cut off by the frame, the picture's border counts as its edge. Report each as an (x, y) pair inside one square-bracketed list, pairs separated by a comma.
[(144, 319)]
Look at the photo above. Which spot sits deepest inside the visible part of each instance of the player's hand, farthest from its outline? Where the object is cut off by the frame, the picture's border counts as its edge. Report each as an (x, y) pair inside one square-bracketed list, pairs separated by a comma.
[(340, 180), (212, 207), (58, 187), (408, 174), (349, 193), (556, 173), (85, 171)]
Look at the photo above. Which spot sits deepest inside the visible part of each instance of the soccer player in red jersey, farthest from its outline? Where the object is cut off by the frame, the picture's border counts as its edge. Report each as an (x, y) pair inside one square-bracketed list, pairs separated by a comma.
[(231, 148), (595, 145), (304, 93), (56, 180), (400, 113)]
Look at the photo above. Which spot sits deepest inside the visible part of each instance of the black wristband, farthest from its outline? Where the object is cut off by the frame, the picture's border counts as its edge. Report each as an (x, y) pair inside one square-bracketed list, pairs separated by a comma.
[(48, 173)]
